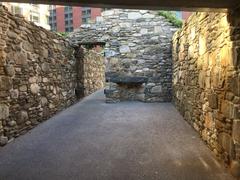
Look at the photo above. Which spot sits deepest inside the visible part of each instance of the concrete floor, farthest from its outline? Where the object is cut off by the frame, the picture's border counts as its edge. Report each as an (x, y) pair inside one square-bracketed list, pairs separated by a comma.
[(93, 140)]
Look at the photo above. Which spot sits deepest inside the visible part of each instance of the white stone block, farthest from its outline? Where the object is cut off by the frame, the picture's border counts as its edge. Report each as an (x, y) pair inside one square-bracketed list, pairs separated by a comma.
[(134, 15), (124, 49)]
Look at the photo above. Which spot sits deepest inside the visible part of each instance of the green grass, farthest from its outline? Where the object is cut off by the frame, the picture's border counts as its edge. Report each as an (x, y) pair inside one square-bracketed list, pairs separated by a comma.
[(63, 34), (171, 17)]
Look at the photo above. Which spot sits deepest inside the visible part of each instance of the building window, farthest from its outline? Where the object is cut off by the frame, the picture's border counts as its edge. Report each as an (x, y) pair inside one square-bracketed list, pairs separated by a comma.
[(53, 26), (86, 20), (86, 15), (86, 12), (34, 18), (69, 22), (69, 29), (67, 8), (16, 10), (35, 8)]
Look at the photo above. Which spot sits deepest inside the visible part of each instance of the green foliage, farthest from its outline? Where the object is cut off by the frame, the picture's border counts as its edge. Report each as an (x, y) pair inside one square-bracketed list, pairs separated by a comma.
[(171, 17), (63, 34)]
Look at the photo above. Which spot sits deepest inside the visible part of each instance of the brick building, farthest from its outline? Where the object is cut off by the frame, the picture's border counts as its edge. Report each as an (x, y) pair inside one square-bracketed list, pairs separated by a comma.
[(68, 18), (36, 13)]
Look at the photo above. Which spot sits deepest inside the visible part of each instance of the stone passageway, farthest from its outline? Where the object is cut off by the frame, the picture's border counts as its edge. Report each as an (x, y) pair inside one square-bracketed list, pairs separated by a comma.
[(125, 141)]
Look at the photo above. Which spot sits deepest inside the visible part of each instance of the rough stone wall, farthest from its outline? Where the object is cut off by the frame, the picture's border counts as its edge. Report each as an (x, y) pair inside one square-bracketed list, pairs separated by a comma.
[(138, 43), (37, 75), (93, 69), (206, 81)]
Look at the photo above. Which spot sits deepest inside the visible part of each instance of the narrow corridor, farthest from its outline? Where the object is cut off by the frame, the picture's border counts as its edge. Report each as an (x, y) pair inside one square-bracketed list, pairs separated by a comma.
[(93, 140)]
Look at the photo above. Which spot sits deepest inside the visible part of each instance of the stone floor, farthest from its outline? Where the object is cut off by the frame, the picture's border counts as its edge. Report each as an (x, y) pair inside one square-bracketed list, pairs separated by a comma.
[(93, 140)]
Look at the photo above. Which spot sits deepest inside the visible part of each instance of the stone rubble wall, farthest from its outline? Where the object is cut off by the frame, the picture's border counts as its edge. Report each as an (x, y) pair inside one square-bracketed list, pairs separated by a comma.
[(206, 81), (138, 43), (38, 75), (94, 70)]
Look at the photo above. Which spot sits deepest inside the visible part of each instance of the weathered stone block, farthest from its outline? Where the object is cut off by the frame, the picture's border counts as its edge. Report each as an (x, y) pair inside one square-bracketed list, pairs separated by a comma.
[(201, 79), (229, 96), (45, 67), (236, 100), (148, 16), (236, 131), (12, 123), (134, 15), (12, 35), (44, 101), (213, 101), (4, 111), (229, 110), (235, 168), (20, 58), (33, 79), (5, 83), (226, 142), (202, 44), (237, 56), (140, 97), (44, 53), (23, 88), (209, 120), (14, 93), (27, 46), (34, 88), (143, 31), (9, 70), (235, 85), (156, 89), (3, 140), (23, 117), (158, 29), (124, 49)]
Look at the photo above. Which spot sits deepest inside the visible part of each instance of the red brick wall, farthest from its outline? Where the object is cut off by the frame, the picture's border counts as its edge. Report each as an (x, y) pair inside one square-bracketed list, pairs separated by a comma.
[(77, 17), (60, 19), (95, 12)]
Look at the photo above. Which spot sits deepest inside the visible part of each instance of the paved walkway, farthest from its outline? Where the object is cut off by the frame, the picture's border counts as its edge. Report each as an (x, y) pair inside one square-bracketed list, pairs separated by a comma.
[(97, 141)]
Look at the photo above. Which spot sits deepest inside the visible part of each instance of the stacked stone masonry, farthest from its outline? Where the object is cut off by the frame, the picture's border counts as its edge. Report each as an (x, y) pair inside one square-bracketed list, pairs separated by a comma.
[(93, 70), (38, 75), (138, 44), (206, 81)]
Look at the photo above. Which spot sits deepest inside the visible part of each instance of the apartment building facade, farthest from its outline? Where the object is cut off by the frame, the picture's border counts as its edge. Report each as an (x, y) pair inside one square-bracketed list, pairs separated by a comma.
[(68, 18), (37, 13)]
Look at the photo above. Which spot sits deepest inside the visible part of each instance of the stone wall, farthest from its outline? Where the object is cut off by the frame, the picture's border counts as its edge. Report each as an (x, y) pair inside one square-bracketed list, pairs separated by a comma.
[(206, 81), (38, 74), (93, 69), (37, 77), (138, 43)]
